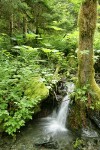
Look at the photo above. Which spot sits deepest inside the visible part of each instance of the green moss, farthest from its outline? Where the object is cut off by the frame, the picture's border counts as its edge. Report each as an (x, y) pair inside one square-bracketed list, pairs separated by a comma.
[(87, 25), (36, 90), (77, 117), (96, 89), (95, 94)]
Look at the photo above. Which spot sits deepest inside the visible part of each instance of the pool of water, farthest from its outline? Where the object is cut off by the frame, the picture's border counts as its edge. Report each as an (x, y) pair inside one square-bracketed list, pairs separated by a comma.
[(36, 136)]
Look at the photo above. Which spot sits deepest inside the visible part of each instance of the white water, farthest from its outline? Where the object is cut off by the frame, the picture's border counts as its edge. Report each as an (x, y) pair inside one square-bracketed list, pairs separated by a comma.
[(58, 120), (63, 112)]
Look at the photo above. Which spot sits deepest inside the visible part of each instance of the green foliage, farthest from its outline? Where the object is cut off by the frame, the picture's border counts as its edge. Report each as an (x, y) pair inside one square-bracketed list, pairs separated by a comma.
[(4, 41), (80, 94), (71, 41), (97, 51), (96, 41), (15, 74), (64, 43), (85, 97), (24, 106), (23, 76), (77, 143), (96, 105)]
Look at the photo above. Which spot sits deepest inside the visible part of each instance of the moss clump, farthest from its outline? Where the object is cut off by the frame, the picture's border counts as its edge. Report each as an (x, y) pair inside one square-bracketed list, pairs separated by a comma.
[(36, 90), (96, 89), (77, 117)]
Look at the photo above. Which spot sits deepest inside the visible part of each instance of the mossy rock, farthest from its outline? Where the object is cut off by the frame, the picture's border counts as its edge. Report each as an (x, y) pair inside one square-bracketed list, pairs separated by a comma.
[(36, 90)]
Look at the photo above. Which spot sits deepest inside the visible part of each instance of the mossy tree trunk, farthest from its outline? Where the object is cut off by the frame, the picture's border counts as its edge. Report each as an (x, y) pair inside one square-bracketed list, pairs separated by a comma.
[(24, 27), (87, 25), (11, 25), (86, 73)]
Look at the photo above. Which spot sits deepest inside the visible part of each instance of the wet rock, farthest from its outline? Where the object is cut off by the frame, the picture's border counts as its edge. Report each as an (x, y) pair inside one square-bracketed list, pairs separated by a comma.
[(59, 97), (47, 142), (95, 117), (91, 144), (89, 133), (97, 77), (62, 88)]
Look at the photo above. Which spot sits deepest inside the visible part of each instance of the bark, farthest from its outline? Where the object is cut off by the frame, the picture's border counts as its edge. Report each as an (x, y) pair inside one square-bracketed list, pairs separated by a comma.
[(24, 27), (87, 25), (11, 25), (37, 33)]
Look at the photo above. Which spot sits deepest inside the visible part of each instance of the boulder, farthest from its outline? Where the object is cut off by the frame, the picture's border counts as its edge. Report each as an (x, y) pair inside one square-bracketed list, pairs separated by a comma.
[(47, 142)]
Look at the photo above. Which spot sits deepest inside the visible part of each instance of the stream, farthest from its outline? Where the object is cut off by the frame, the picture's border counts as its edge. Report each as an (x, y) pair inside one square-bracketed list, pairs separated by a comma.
[(33, 137), (51, 133)]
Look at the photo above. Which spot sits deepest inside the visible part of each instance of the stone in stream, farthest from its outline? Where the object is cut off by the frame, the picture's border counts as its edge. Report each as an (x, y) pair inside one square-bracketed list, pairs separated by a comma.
[(47, 142)]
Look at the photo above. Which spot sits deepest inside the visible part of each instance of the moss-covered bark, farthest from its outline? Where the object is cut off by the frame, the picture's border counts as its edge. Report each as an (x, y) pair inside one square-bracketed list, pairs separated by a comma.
[(86, 73), (87, 25)]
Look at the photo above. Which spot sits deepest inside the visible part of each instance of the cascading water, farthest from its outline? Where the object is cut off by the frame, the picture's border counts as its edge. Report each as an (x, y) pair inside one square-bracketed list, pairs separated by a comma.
[(63, 112), (57, 121)]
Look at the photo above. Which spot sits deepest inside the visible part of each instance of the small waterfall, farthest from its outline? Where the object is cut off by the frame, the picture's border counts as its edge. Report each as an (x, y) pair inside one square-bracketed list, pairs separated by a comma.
[(57, 122), (63, 112)]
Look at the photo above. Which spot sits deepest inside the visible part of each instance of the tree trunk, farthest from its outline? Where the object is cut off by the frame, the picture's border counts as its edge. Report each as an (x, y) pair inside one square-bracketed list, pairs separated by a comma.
[(87, 25), (11, 26), (24, 27), (37, 33)]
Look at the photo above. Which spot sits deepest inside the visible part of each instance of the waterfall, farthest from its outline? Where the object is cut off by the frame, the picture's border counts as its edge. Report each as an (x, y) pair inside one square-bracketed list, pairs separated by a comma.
[(57, 121), (63, 112)]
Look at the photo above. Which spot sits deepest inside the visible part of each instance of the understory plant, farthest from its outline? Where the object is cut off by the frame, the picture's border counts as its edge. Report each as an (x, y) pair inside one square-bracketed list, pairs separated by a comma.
[(25, 79)]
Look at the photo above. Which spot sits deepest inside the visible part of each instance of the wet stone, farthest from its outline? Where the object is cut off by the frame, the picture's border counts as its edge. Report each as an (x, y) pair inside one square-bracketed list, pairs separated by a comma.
[(95, 116), (91, 144), (47, 142)]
